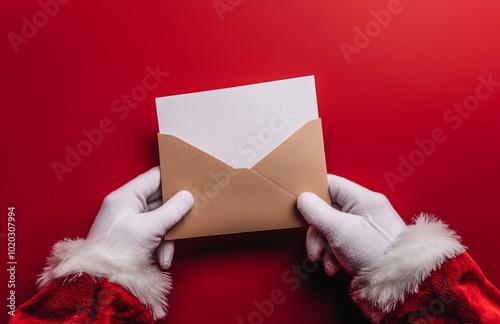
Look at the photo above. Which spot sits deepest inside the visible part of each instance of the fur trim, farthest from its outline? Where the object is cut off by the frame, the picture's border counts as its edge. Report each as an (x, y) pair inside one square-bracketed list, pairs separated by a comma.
[(126, 267), (420, 249)]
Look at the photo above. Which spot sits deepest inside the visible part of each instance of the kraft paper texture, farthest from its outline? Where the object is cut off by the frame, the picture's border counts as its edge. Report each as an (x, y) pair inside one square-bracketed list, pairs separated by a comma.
[(229, 200)]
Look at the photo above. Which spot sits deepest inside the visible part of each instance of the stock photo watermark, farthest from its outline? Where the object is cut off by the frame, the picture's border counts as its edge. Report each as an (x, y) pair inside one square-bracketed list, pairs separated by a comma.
[(11, 260), (222, 7), (293, 278), (30, 27), (120, 108), (453, 118), (363, 36), (248, 149), (265, 135)]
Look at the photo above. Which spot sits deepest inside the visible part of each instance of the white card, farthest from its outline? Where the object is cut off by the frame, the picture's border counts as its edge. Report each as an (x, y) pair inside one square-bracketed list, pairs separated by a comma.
[(240, 125)]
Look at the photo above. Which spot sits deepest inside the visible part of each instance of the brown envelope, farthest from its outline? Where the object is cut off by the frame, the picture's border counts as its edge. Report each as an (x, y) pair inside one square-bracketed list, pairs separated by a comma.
[(229, 200)]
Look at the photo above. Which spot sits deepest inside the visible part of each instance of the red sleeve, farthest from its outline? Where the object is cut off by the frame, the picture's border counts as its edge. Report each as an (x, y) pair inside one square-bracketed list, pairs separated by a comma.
[(82, 299), (426, 277), (99, 281), (457, 292)]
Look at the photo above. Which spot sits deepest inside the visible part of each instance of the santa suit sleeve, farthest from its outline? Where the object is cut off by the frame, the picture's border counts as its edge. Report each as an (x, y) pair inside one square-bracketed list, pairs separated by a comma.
[(97, 282), (426, 277)]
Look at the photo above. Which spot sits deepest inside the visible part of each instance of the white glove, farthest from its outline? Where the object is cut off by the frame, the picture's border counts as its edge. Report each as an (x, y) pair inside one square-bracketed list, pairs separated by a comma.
[(358, 234), (134, 216)]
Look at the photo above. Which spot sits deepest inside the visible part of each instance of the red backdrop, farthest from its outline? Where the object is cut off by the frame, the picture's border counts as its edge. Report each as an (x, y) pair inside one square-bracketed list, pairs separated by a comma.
[(408, 91)]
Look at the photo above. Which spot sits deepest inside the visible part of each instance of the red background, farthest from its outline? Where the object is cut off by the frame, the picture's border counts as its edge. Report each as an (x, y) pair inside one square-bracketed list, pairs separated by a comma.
[(395, 91)]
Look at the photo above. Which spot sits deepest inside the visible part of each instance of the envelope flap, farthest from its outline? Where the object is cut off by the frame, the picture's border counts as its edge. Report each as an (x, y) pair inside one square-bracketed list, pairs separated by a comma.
[(192, 165), (173, 148), (298, 164), (227, 200)]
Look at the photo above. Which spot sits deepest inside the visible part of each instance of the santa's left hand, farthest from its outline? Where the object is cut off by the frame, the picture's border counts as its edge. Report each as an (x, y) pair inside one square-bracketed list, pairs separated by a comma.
[(355, 236), (135, 217)]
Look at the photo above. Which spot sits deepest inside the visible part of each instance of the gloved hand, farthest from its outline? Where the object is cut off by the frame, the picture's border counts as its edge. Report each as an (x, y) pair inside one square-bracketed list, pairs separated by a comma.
[(134, 216), (354, 235)]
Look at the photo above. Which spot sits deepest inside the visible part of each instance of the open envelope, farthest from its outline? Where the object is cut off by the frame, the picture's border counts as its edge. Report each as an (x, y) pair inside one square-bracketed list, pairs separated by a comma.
[(233, 199)]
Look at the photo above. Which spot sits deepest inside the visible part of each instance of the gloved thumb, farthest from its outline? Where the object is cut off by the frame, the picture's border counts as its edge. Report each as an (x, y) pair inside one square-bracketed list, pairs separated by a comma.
[(166, 216), (320, 214)]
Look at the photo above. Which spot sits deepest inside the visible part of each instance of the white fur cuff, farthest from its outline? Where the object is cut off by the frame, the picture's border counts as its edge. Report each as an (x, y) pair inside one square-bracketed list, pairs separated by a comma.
[(420, 249), (102, 258)]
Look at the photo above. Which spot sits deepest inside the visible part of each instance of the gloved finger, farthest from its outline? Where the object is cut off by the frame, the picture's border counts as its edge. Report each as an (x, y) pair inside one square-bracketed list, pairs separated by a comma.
[(155, 196), (330, 262), (154, 204), (348, 194), (137, 191), (315, 243), (167, 215), (337, 206), (155, 200), (165, 254), (324, 218)]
